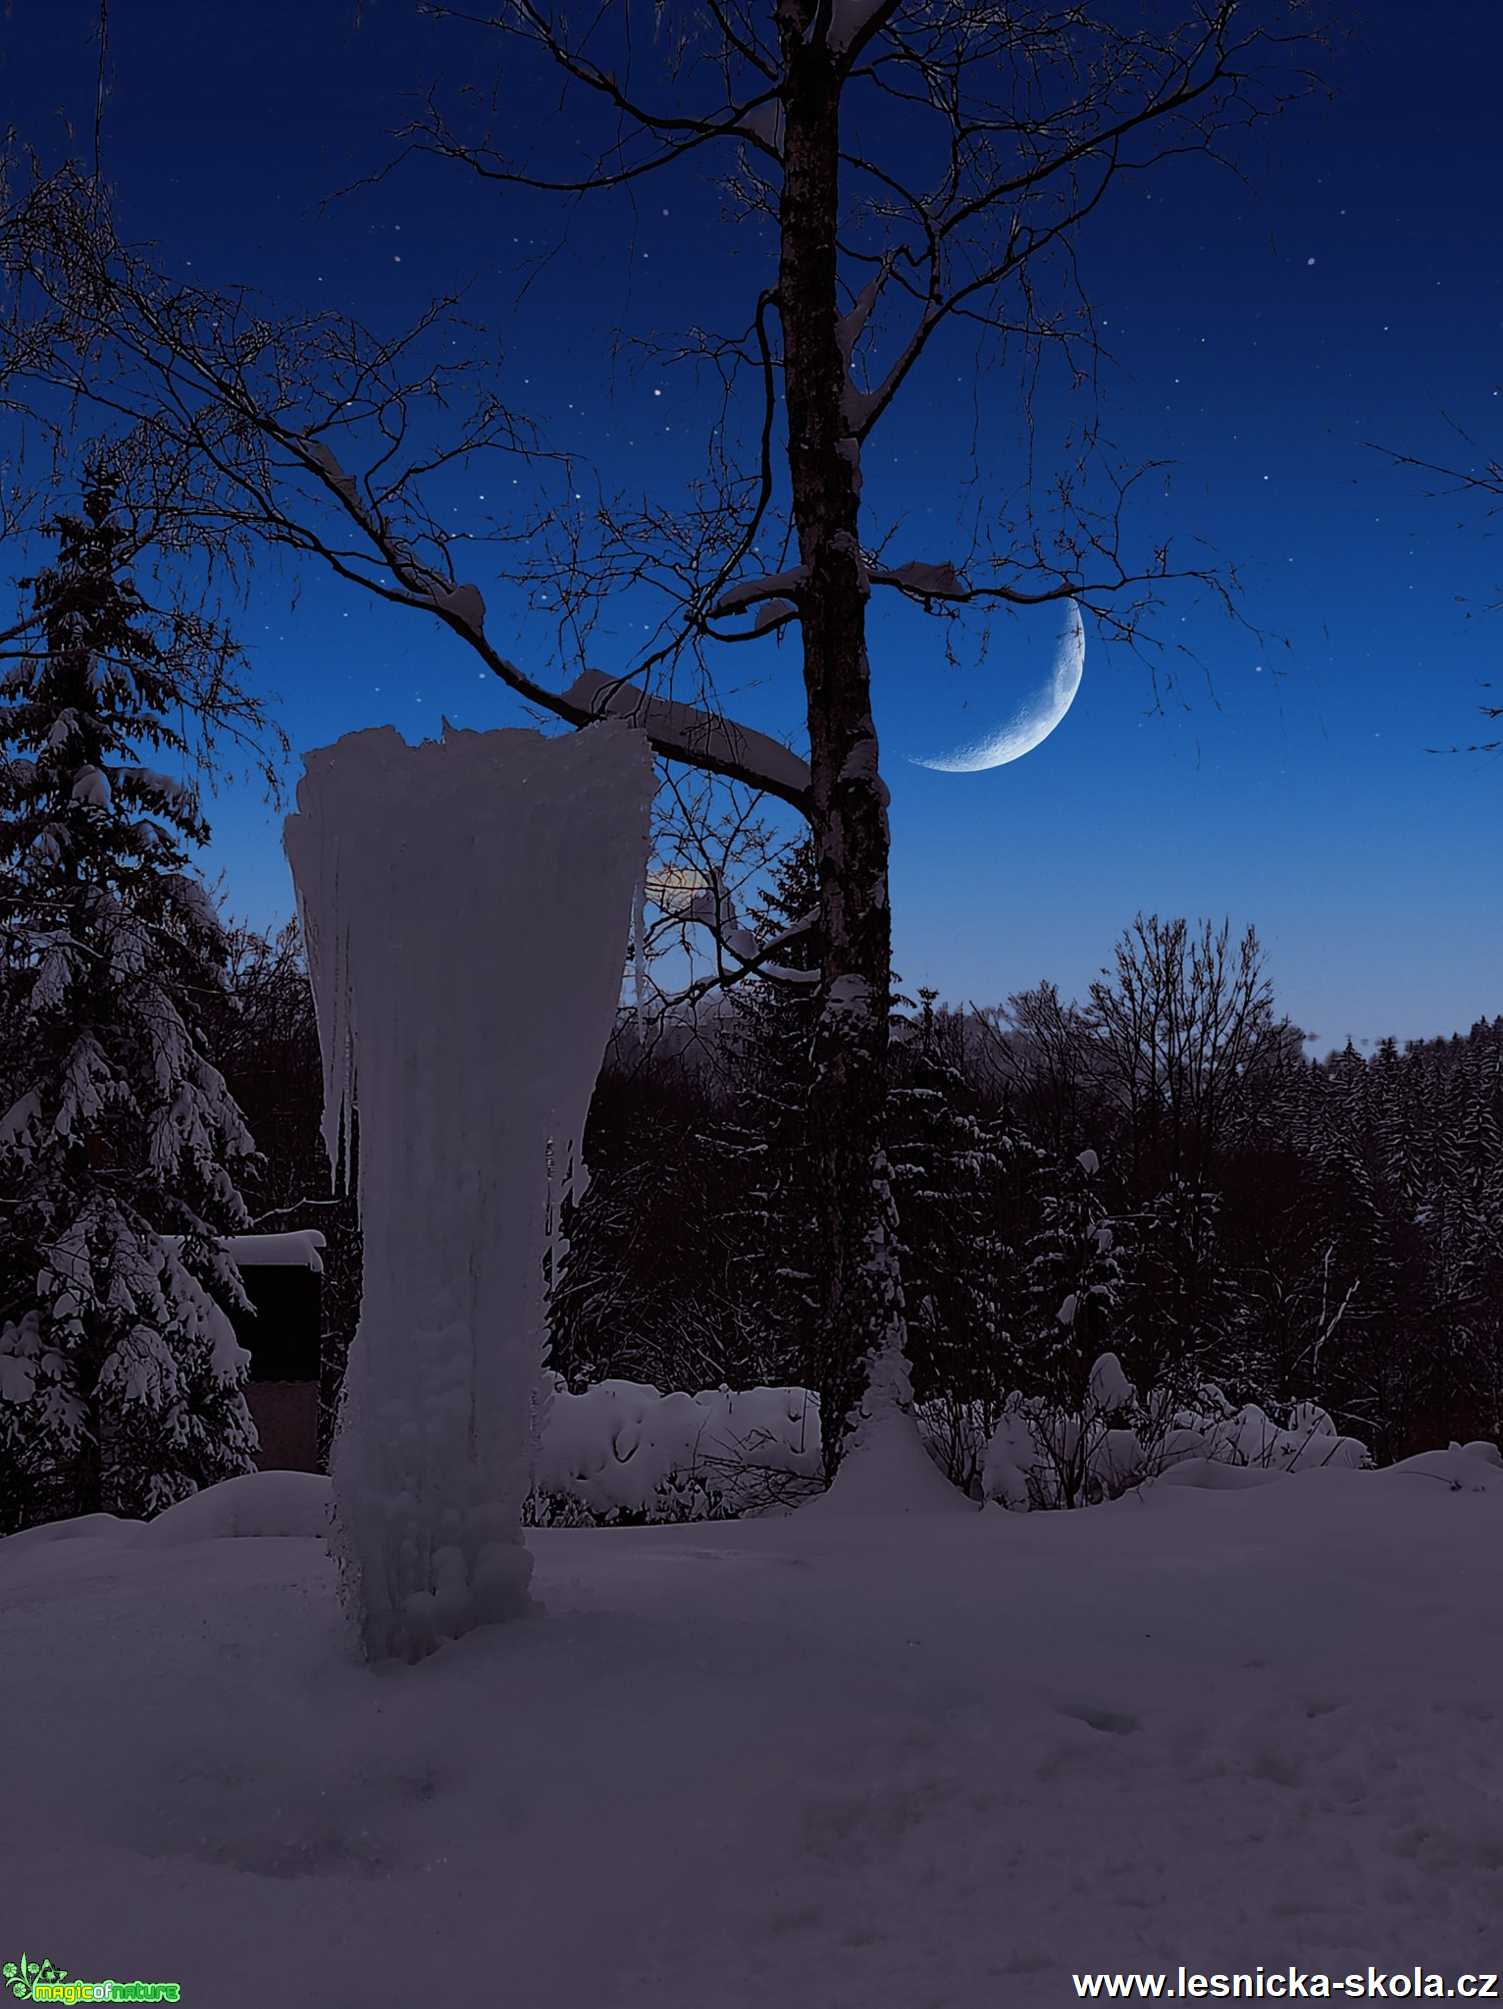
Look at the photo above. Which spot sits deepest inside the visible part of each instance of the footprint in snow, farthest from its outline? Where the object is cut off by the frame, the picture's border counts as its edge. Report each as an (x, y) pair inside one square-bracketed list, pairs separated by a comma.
[(1115, 1722)]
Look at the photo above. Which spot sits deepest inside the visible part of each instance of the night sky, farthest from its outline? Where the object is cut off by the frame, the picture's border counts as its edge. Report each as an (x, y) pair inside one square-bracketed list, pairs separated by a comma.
[(1350, 290)]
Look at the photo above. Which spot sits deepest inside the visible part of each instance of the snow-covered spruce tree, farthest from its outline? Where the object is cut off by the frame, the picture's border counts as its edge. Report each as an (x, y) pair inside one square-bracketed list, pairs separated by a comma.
[(1182, 1296), (649, 1287), (1334, 1339), (120, 1376), (1073, 1316), (951, 1169), (769, 1044), (1074, 1280)]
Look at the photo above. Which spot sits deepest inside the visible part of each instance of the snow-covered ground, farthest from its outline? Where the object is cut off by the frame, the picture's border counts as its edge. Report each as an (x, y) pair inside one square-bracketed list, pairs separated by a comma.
[(827, 1759)]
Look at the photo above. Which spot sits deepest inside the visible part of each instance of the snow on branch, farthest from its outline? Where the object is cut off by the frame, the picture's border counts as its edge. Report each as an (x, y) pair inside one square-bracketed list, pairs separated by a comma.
[(926, 582), (848, 328), (850, 19), (771, 586), (690, 896), (698, 735), (764, 121), (462, 603), (772, 615), (677, 730), (342, 482)]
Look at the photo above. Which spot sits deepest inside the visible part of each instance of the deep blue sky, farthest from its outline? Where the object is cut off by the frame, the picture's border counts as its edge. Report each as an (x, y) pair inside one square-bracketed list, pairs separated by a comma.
[(1350, 290)]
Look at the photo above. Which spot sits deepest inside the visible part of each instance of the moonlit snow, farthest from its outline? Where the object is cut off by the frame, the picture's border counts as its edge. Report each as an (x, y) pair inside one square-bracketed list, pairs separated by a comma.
[(466, 904), (914, 1761)]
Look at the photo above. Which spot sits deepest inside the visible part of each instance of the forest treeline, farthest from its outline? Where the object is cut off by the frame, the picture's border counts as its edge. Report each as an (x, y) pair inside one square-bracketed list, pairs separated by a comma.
[(1154, 1170), (1219, 1208)]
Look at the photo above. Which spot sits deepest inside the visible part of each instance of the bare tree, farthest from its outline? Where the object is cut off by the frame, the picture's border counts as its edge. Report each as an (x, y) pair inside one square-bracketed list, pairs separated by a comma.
[(1186, 1041), (1028, 120)]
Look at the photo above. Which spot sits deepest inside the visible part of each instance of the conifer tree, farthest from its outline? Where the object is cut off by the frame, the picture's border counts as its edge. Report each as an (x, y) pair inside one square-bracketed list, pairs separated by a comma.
[(1074, 1282), (1350, 1357), (771, 1065), (1400, 1123), (1182, 1297), (1074, 1295), (120, 1377), (950, 1168)]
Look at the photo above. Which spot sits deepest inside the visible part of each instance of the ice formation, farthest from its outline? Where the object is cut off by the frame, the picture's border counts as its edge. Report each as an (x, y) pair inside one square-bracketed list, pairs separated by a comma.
[(466, 905)]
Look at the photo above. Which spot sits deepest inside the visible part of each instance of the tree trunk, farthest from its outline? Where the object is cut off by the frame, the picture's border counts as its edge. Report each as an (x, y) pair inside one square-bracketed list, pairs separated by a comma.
[(860, 1349)]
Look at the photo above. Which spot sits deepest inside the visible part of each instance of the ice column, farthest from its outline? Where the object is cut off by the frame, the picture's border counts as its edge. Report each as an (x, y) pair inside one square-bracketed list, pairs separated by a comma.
[(466, 905)]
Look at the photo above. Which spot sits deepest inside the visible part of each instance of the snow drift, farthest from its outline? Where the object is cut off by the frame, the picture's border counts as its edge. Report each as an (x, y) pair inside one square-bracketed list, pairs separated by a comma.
[(860, 1763)]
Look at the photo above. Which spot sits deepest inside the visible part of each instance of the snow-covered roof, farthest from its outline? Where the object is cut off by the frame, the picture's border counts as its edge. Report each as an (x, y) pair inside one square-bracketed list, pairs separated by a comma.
[(297, 1249)]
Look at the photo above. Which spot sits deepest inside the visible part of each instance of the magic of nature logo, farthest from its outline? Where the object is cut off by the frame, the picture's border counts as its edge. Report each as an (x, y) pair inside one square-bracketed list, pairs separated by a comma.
[(39, 1981)]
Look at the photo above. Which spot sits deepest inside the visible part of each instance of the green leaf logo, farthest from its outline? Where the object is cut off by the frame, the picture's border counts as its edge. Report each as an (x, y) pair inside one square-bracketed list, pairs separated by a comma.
[(22, 1973)]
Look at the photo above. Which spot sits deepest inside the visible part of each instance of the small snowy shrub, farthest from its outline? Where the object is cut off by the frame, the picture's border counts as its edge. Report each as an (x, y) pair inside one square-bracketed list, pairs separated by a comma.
[(956, 1435), (1042, 1456), (680, 1497), (1248, 1435)]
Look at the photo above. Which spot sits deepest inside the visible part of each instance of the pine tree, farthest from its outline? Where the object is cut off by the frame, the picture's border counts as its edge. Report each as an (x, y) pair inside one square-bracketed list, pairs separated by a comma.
[(770, 1054), (1074, 1282), (1074, 1313), (1350, 1360), (649, 1285), (1401, 1124), (1182, 1297), (120, 1378), (951, 1169)]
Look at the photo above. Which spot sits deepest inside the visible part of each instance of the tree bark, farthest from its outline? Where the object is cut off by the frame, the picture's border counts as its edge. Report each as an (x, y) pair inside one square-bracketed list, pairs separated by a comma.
[(860, 1362)]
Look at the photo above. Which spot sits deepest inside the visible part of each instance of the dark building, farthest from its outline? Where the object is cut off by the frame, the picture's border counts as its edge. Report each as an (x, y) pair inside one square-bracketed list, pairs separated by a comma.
[(282, 1276)]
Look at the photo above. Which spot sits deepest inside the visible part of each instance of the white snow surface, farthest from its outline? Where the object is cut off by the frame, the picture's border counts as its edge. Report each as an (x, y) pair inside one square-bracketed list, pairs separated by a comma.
[(466, 905), (92, 787), (887, 1471), (863, 1763), (258, 1505)]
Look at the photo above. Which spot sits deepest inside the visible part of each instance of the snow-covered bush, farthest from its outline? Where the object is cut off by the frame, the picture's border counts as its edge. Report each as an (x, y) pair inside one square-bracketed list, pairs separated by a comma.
[(623, 1453), (1041, 1456), (1229, 1435), (121, 1149), (956, 1435)]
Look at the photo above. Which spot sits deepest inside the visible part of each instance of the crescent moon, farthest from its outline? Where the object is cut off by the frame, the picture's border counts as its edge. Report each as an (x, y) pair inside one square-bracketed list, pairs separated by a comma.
[(1035, 718)]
